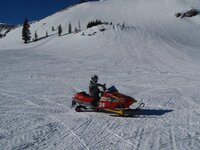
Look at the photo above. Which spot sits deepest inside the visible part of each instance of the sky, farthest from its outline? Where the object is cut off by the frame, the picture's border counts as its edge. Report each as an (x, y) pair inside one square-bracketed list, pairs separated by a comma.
[(15, 11)]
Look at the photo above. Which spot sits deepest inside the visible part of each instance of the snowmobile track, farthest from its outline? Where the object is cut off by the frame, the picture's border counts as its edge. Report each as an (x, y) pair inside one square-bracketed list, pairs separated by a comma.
[(174, 147), (55, 118)]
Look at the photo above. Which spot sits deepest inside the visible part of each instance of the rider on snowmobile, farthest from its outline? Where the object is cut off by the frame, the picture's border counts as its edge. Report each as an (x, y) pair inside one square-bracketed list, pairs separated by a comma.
[(94, 89)]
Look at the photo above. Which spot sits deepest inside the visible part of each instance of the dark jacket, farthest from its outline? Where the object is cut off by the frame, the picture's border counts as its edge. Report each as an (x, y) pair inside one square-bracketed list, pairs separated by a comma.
[(94, 89)]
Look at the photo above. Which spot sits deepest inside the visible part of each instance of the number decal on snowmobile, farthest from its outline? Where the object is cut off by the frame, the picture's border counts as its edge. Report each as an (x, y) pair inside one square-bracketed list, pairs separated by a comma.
[(102, 105)]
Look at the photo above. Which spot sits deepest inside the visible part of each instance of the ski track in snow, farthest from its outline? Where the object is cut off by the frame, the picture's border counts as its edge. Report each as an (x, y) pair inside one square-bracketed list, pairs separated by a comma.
[(109, 135), (54, 118)]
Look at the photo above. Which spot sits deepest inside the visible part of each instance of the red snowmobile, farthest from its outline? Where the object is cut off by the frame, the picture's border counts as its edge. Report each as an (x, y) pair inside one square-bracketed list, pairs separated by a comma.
[(111, 101)]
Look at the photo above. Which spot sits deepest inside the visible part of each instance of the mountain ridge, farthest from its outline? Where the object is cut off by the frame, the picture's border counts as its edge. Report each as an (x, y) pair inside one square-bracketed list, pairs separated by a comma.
[(5, 28)]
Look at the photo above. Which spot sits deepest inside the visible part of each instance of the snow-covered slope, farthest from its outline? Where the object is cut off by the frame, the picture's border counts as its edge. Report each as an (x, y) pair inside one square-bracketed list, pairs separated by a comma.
[(155, 16), (154, 58)]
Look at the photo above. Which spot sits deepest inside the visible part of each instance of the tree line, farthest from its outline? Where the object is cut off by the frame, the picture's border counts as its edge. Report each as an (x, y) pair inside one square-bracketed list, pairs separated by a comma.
[(26, 34)]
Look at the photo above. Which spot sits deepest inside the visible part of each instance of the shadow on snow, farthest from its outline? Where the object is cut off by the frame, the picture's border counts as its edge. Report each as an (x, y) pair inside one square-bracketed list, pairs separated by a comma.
[(145, 113), (153, 112)]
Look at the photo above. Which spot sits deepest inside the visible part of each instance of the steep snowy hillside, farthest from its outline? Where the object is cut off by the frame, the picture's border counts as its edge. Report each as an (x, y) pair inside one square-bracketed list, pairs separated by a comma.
[(156, 17), (145, 51)]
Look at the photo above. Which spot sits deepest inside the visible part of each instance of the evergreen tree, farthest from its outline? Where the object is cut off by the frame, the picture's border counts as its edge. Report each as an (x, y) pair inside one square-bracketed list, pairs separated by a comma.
[(47, 34), (123, 25), (79, 25), (82, 1), (36, 36), (70, 28), (95, 23), (26, 34), (59, 30), (76, 30)]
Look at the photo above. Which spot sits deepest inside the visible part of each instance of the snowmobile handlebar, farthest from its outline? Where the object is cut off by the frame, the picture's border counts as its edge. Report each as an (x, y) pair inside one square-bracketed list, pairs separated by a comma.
[(104, 87)]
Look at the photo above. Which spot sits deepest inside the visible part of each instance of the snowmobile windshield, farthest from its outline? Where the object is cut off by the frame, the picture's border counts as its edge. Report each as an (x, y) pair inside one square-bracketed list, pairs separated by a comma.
[(112, 89)]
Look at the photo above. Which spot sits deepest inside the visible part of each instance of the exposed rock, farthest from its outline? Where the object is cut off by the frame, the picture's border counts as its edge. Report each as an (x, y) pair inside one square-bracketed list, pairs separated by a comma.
[(189, 13), (5, 28)]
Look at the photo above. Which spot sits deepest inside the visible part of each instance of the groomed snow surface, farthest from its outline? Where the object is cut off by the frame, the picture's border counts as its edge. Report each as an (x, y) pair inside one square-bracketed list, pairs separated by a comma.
[(155, 59)]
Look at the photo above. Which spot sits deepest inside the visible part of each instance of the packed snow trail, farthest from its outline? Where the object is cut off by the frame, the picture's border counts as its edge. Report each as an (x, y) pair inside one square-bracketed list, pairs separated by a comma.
[(35, 108)]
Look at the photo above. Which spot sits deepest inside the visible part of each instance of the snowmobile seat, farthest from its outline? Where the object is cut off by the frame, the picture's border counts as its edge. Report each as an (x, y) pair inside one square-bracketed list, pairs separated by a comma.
[(85, 94)]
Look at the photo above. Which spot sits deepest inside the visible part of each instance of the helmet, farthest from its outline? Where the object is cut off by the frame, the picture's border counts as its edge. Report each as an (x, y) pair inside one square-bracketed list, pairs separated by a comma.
[(95, 78)]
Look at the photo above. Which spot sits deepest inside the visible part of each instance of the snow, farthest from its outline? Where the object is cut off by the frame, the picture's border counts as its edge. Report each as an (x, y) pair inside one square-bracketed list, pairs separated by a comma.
[(154, 59)]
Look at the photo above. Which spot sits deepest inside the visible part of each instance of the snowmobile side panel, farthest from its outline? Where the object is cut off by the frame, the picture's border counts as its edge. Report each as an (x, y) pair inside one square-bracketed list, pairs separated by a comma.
[(82, 97)]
